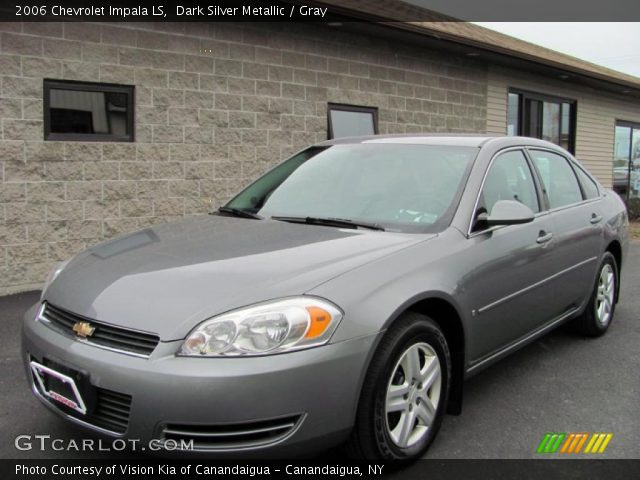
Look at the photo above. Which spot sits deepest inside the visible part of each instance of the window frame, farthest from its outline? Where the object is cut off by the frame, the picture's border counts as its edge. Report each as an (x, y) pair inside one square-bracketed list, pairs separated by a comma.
[(535, 176), (632, 126), (573, 166), (543, 97), (49, 84), (343, 107)]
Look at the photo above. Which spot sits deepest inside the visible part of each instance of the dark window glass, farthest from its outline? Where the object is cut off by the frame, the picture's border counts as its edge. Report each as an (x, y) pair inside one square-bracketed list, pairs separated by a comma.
[(560, 183), (626, 160), (402, 187), (542, 117), (351, 121), (589, 187), (509, 178), (87, 111)]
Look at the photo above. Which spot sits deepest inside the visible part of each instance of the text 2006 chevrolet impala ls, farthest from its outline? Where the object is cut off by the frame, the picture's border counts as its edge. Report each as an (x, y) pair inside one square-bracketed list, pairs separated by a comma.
[(342, 297)]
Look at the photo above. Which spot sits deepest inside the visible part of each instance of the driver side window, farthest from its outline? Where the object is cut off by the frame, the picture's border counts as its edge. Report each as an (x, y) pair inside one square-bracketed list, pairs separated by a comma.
[(509, 178)]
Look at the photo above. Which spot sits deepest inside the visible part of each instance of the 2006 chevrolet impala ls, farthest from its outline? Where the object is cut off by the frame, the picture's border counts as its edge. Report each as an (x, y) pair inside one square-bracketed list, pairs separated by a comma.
[(342, 297)]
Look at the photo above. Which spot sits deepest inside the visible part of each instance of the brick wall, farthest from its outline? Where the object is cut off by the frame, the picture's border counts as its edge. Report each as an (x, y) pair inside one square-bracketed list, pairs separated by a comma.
[(216, 105)]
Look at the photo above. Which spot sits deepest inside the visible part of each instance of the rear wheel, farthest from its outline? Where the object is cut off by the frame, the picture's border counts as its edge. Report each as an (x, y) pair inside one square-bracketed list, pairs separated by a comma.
[(598, 314), (405, 392)]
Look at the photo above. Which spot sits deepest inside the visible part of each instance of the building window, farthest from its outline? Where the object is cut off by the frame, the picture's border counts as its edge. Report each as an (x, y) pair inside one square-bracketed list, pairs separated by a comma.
[(351, 121), (626, 160), (542, 116), (85, 111)]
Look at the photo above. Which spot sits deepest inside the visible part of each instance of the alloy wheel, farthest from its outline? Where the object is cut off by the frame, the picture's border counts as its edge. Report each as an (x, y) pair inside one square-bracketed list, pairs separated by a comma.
[(605, 295), (413, 395)]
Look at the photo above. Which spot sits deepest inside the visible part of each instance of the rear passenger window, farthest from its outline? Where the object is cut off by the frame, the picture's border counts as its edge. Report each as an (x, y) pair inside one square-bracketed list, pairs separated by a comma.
[(560, 183), (509, 179), (589, 187)]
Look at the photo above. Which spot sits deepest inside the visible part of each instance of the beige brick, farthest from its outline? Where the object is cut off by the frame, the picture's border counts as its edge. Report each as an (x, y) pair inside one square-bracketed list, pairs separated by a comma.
[(152, 115), (87, 32), (119, 226), (183, 80), (65, 49), (26, 253), (198, 99), (218, 118), (80, 71), (61, 251), (22, 129), (19, 213), (10, 64), (13, 233), (151, 78), (168, 206), (46, 192), (149, 152), (116, 74), (64, 170), (21, 44), (215, 83), (47, 232), (184, 153), (168, 134), (198, 170), (12, 192), (136, 170), (10, 108), (41, 67), (101, 170), (93, 52), (228, 68), (119, 190), (19, 171), (168, 170), (243, 86), (84, 230), (183, 116), (166, 96), (178, 188), (84, 190), (242, 120), (101, 209), (118, 36), (86, 151), (21, 87), (32, 109), (201, 64), (63, 211), (45, 29), (198, 134), (136, 208), (153, 189)]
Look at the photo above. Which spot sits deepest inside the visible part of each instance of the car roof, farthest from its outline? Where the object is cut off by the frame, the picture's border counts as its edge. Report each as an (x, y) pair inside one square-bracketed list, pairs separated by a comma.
[(449, 139)]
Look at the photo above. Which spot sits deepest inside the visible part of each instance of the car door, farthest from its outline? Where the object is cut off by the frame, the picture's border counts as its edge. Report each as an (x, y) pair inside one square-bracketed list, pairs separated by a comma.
[(507, 283), (575, 208)]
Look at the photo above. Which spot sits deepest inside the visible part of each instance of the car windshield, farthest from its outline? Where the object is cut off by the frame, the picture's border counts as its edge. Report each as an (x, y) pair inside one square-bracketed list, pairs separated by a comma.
[(398, 187)]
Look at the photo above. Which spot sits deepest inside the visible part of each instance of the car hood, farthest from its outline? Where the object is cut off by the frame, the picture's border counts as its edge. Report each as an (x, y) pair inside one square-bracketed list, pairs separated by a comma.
[(167, 279)]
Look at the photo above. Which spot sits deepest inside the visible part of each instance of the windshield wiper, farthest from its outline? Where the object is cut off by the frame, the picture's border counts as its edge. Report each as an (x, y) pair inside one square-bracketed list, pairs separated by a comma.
[(238, 212), (330, 222)]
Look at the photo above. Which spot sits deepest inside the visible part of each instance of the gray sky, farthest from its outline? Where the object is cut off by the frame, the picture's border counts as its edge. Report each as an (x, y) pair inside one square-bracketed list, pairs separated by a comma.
[(613, 45)]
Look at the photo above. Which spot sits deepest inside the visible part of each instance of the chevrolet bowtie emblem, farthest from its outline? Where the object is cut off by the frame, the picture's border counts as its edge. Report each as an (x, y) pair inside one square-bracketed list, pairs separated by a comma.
[(83, 329)]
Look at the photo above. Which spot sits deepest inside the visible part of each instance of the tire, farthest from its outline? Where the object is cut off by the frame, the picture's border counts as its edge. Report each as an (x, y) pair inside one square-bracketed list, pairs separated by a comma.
[(381, 435), (593, 322)]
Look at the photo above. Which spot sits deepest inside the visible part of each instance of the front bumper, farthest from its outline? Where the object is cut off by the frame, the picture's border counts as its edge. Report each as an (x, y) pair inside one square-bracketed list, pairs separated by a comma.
[(318, 388)]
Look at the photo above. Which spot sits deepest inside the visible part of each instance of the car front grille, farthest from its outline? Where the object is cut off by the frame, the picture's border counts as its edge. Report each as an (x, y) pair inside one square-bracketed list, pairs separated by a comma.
[(232, 436), (104, 335)]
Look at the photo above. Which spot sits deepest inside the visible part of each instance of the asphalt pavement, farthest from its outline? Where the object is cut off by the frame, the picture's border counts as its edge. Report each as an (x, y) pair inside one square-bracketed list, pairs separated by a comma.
[(561, 383)]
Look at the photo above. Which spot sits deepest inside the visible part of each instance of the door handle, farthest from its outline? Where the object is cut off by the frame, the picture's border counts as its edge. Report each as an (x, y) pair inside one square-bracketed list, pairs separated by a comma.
[(595, 218), (544, 237)]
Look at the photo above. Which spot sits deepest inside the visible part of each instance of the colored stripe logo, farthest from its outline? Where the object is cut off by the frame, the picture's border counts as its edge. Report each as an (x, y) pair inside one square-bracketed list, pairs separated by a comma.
[(574, 443)]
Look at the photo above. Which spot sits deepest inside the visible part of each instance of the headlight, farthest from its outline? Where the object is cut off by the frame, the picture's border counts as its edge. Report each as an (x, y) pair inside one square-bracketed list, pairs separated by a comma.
[(272, 327), (55, 271)]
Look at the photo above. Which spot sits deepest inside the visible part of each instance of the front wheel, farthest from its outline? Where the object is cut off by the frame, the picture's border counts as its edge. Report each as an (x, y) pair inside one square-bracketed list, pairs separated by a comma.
[(598, 314), (405, 392)]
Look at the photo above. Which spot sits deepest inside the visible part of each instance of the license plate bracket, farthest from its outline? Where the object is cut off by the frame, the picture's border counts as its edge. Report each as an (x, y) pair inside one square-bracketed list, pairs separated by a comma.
[(69, 397)]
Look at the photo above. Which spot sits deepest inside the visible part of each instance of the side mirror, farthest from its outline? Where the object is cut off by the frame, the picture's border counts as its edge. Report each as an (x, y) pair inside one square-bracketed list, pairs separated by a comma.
[(507, 212)]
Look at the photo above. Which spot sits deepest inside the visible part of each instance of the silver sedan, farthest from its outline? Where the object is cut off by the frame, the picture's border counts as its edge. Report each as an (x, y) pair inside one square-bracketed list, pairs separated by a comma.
[(343, 297)]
